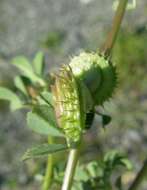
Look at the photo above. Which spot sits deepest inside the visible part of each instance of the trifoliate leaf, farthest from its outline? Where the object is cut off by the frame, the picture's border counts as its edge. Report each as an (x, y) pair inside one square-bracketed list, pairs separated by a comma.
[(15, 102), (43, 150)]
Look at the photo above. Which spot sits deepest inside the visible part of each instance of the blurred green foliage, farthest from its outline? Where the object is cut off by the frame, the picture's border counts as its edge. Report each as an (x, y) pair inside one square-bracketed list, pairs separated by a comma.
[(131, 58), (130, 103), (96, 174), (53, 40)]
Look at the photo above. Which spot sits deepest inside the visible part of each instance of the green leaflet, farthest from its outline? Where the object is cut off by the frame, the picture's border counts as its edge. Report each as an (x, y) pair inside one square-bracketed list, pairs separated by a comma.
[(126, 162), (47, 113), (115, 158), (47, 97), (39, 124), (19, 83), (43, 150), (15, 102), (23, 64), (38, 63), (26, 68)]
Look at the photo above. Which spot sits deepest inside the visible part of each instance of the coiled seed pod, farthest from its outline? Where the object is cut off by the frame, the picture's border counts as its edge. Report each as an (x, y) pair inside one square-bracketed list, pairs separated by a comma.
[(87, 81), (68, 105), (97, 73)]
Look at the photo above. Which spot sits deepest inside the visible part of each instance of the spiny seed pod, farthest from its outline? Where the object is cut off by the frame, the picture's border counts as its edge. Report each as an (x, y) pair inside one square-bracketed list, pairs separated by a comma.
[(87, 81), (68, 104), (97, 73)]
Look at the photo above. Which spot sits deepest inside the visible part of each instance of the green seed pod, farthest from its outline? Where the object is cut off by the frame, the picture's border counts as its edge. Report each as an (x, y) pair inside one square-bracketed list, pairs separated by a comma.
[(68, 105), (96, 73), (87, 81)]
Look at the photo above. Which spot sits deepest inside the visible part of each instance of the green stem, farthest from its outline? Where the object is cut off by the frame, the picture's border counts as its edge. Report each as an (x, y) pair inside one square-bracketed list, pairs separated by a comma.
[(49, 169), (109, 43), (140, 177), (70, 168)]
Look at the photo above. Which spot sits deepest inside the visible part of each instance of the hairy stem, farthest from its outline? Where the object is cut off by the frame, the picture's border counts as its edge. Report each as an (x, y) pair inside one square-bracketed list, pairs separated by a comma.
[(140, 177), (110, 40), (49, 169), (70, 168)]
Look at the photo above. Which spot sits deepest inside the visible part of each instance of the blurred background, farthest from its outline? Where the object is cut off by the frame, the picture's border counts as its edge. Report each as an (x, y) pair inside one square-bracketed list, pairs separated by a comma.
[(62, 28)]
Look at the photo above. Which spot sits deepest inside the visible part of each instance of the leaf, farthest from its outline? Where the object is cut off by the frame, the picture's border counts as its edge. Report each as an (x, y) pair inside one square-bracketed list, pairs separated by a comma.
[(38, 63), (41, 101), (23, 64), (92, 169), (43, 150), (15, 102), (81, 174), (20, 85), (47, 113), (126, 162), (112, 156), (39, 125), (48, 97), (77, 186), (116, 158)]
